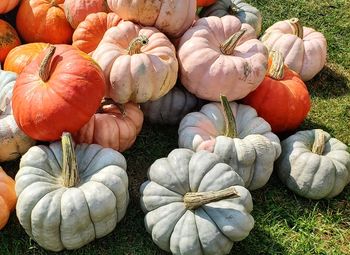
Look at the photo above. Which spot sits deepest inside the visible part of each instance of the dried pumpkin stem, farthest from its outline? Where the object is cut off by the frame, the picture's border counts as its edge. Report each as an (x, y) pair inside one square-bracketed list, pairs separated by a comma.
[(44, 69), (233, 9), (136, 44), (228, 46), (297, 27), (276, 69), (230, 122), (70, 171), (194, 200), (319, 142)]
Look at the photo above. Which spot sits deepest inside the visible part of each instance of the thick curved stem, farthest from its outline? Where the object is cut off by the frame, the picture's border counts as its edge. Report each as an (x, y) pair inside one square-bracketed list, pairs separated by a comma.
[(228, 46), (298, 28), (44, 69), (230, 122), (319, 142), (233, 9), (70, 172), (136, 44), (276, 69)]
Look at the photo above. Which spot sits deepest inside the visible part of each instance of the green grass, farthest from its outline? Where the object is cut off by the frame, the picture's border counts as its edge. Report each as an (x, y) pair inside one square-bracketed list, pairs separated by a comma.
[(285, 223)]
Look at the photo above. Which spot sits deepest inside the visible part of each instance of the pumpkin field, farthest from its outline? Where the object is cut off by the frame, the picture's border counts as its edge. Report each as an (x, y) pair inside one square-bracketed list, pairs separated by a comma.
[(174, 127)]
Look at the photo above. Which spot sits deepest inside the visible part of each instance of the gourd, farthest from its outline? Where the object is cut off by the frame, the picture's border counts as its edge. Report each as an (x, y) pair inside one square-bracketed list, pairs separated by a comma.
[(7, 5), (195, 204), (237, 135), (313, 164), (69, 195), (8, 39), (7, 197)]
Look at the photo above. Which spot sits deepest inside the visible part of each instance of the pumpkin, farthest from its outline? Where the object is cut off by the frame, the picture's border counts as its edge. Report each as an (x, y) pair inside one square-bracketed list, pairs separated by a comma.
[(43, 21), (239, 8), (195, 204), (113, 126), (237, 135), (20, 56), (205, 2), (171, 17), (89, 32), (64, 88), (69, 195), (303, 48), (171, 108), (7, 5), (8, 39), (139, 62), (221, 56), (282, 99), (77, 10), (7, 197), (314, 165), (13, 142)]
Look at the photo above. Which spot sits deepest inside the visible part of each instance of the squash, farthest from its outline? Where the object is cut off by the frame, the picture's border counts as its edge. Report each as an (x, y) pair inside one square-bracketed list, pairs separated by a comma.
[(7, 5), (43, 21), (282, 99), (13, 142), (113, 126), (69, 195), (171, 108), (64, 88), (90, 31), (314, 165), (201, 3), (171, 17), (195, 204), (7, 197), (20, 56), (139, 63), (237, 135), (239, 8), (221, 56), (8, 39), (303, 48)]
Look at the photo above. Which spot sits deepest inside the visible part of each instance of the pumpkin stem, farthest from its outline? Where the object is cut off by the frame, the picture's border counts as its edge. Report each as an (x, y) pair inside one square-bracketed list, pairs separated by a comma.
[(136, 44), (228, 46), (319, 142), (70, 171), (194, 200), (230, 122), (233, 9), (121, 108), (53, 3), (276, 68), (44, 69), (297, 27)]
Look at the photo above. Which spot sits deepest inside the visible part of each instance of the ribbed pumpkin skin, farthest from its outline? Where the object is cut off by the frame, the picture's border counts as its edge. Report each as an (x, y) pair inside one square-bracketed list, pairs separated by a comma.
[(7, 197), (65, 102), (90, 31), (8, 39), (20, 56), (43, 21), (7, 5)]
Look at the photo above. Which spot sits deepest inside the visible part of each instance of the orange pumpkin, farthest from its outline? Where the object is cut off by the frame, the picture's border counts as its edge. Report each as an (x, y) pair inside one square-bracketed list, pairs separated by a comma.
[(7, 5), (7, 197), (58, 91), (90, 31), (43, 21), (282, 99), (20, 56), (8, 39), (205, 2)]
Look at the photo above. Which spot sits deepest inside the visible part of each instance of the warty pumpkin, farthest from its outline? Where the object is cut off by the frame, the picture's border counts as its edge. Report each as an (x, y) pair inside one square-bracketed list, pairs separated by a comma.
[(8, 39), (7, 197), (7, 5)]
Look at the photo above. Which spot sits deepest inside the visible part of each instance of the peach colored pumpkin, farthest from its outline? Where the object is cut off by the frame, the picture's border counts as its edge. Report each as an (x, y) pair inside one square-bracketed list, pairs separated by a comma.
[(112, 126), (171, 17), (7, 5), (217, 57), (303, 48), (139, 62), (77, 10), (89, 32), (7, 197)]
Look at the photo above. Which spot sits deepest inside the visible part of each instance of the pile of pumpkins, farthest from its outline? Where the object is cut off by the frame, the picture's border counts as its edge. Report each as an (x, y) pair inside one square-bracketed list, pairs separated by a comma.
[(92, 70)]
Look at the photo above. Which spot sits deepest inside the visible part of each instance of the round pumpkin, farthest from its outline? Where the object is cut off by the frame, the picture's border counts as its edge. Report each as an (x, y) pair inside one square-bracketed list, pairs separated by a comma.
[(63, 87), (195, 204), (139, 63), (239, 8), (20, 56), (282, 99), (69, 195), (7, 5), (314, 165), (90, 31), (221, 56), (43, 21), (171, 17), (113, 126), (7, 197), (237, 135), (303, 48), (8, 39)]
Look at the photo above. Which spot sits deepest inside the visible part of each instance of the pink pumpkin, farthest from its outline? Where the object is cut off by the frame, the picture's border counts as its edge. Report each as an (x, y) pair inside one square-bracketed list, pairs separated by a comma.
[(304, 49), (221, 56)]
